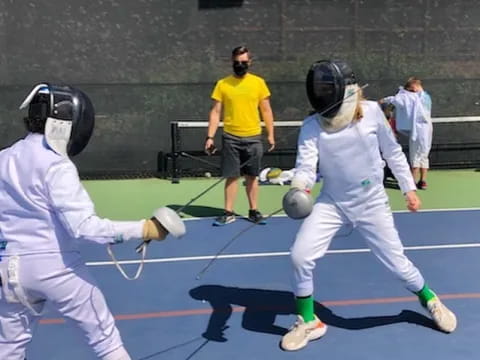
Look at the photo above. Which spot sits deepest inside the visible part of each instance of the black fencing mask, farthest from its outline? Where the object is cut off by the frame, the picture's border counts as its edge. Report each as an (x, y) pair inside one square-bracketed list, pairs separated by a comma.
[(326, 82), (69, 116)]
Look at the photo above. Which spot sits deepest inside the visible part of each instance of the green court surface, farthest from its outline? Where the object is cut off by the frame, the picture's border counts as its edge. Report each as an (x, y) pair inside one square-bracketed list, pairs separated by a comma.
[(135, 199)]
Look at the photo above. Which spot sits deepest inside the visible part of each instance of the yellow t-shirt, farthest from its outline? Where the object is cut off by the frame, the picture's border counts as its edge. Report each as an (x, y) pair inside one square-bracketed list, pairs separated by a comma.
[(240, 98)]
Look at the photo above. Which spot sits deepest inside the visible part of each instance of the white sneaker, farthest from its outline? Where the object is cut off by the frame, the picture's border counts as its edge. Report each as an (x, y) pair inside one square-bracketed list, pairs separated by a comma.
[(302, 332), (441, 315)]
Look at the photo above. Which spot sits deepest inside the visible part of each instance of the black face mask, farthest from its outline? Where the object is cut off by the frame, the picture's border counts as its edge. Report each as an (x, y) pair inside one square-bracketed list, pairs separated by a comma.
[(240, 67)]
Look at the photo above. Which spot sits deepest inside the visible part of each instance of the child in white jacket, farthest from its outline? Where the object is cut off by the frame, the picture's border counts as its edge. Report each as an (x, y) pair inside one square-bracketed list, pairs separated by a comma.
[(413, 107)]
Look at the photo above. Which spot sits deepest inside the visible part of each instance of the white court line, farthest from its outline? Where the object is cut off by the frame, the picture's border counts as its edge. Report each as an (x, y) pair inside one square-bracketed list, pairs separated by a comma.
[(437, 210), (395, 212), (274, 254)]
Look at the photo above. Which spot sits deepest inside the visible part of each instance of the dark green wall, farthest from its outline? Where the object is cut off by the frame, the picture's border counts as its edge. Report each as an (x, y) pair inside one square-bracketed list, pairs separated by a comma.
[(147, 62)]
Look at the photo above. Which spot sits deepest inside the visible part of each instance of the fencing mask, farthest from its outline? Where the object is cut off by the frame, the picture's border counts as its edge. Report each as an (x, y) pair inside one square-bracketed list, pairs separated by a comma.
[(68, 113), (331, 90)]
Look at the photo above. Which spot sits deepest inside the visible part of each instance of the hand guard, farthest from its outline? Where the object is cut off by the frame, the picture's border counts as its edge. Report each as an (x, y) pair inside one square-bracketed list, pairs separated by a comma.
[(297, 204), (163, 222)]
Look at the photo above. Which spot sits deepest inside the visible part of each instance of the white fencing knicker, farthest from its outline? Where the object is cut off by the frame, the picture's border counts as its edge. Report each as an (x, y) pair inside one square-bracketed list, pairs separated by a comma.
[(63, 280)]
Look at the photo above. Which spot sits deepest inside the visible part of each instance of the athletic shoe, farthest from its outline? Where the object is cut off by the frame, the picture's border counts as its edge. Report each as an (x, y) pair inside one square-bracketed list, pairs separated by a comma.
[(302, 332), (227, 218), (441, 315), (256, 217), (422, 185)]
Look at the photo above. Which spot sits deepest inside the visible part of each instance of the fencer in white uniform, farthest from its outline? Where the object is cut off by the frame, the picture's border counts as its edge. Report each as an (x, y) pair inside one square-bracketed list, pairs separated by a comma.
[(343, 141), (45, 212)]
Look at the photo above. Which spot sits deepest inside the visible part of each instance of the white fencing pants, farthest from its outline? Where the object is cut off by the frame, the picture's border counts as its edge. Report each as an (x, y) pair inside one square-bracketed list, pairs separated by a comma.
[(375, 224), (64, 281), (418, 158)]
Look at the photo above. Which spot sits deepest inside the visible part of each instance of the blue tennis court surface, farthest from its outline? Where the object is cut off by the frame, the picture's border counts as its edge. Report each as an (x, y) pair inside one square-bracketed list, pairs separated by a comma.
[(243, 304)]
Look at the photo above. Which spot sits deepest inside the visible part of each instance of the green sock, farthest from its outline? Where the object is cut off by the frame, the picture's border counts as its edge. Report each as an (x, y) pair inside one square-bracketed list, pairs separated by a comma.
[(425, 295), (305, 307)]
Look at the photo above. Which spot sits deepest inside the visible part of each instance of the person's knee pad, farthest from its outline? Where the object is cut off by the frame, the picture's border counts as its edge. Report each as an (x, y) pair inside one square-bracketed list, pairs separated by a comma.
[(118, 354)]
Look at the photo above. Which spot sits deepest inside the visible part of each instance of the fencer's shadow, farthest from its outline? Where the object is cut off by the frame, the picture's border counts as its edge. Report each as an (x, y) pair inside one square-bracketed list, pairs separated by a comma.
[(262, 307), (198, 211)]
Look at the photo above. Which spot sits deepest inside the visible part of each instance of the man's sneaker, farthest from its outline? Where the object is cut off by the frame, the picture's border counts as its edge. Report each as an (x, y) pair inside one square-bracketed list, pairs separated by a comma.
[(441, 315), (422, 185), (302, 332), (227, 218), (256, 217)]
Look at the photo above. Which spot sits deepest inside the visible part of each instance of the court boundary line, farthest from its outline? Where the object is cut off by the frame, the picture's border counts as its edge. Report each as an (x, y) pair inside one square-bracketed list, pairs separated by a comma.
[(276, 254), (327, 303)]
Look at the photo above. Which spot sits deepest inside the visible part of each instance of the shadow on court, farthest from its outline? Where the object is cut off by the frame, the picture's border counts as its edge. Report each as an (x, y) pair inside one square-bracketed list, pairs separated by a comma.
[(198, 211), (262, 307)]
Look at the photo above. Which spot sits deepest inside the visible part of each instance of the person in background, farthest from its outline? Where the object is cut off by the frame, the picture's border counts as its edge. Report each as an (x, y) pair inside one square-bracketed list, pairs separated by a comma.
[(242, 97), (413, 108)]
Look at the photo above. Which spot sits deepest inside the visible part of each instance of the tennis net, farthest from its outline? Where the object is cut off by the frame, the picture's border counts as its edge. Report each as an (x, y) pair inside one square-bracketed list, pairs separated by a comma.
[(456, 144)]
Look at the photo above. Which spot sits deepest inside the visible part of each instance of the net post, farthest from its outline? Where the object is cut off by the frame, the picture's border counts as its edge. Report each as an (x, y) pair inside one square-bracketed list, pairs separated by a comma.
[(161, 165), (175, 143)]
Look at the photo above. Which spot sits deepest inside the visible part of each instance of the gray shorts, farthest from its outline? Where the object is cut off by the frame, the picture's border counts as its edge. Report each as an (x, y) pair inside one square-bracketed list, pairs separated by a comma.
[(241, 150)]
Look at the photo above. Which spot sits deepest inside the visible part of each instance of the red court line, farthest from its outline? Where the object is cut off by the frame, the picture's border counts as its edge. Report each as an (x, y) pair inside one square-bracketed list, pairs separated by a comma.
[(331, 303)]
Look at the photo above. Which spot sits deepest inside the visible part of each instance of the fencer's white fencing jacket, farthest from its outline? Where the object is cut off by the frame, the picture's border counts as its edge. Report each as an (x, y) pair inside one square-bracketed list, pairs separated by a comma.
[(413, 113), (45, 208), (350, 160)]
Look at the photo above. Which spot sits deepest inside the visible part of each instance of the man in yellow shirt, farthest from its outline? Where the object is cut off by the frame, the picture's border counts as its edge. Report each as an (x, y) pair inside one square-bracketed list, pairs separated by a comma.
[(240, 96)]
